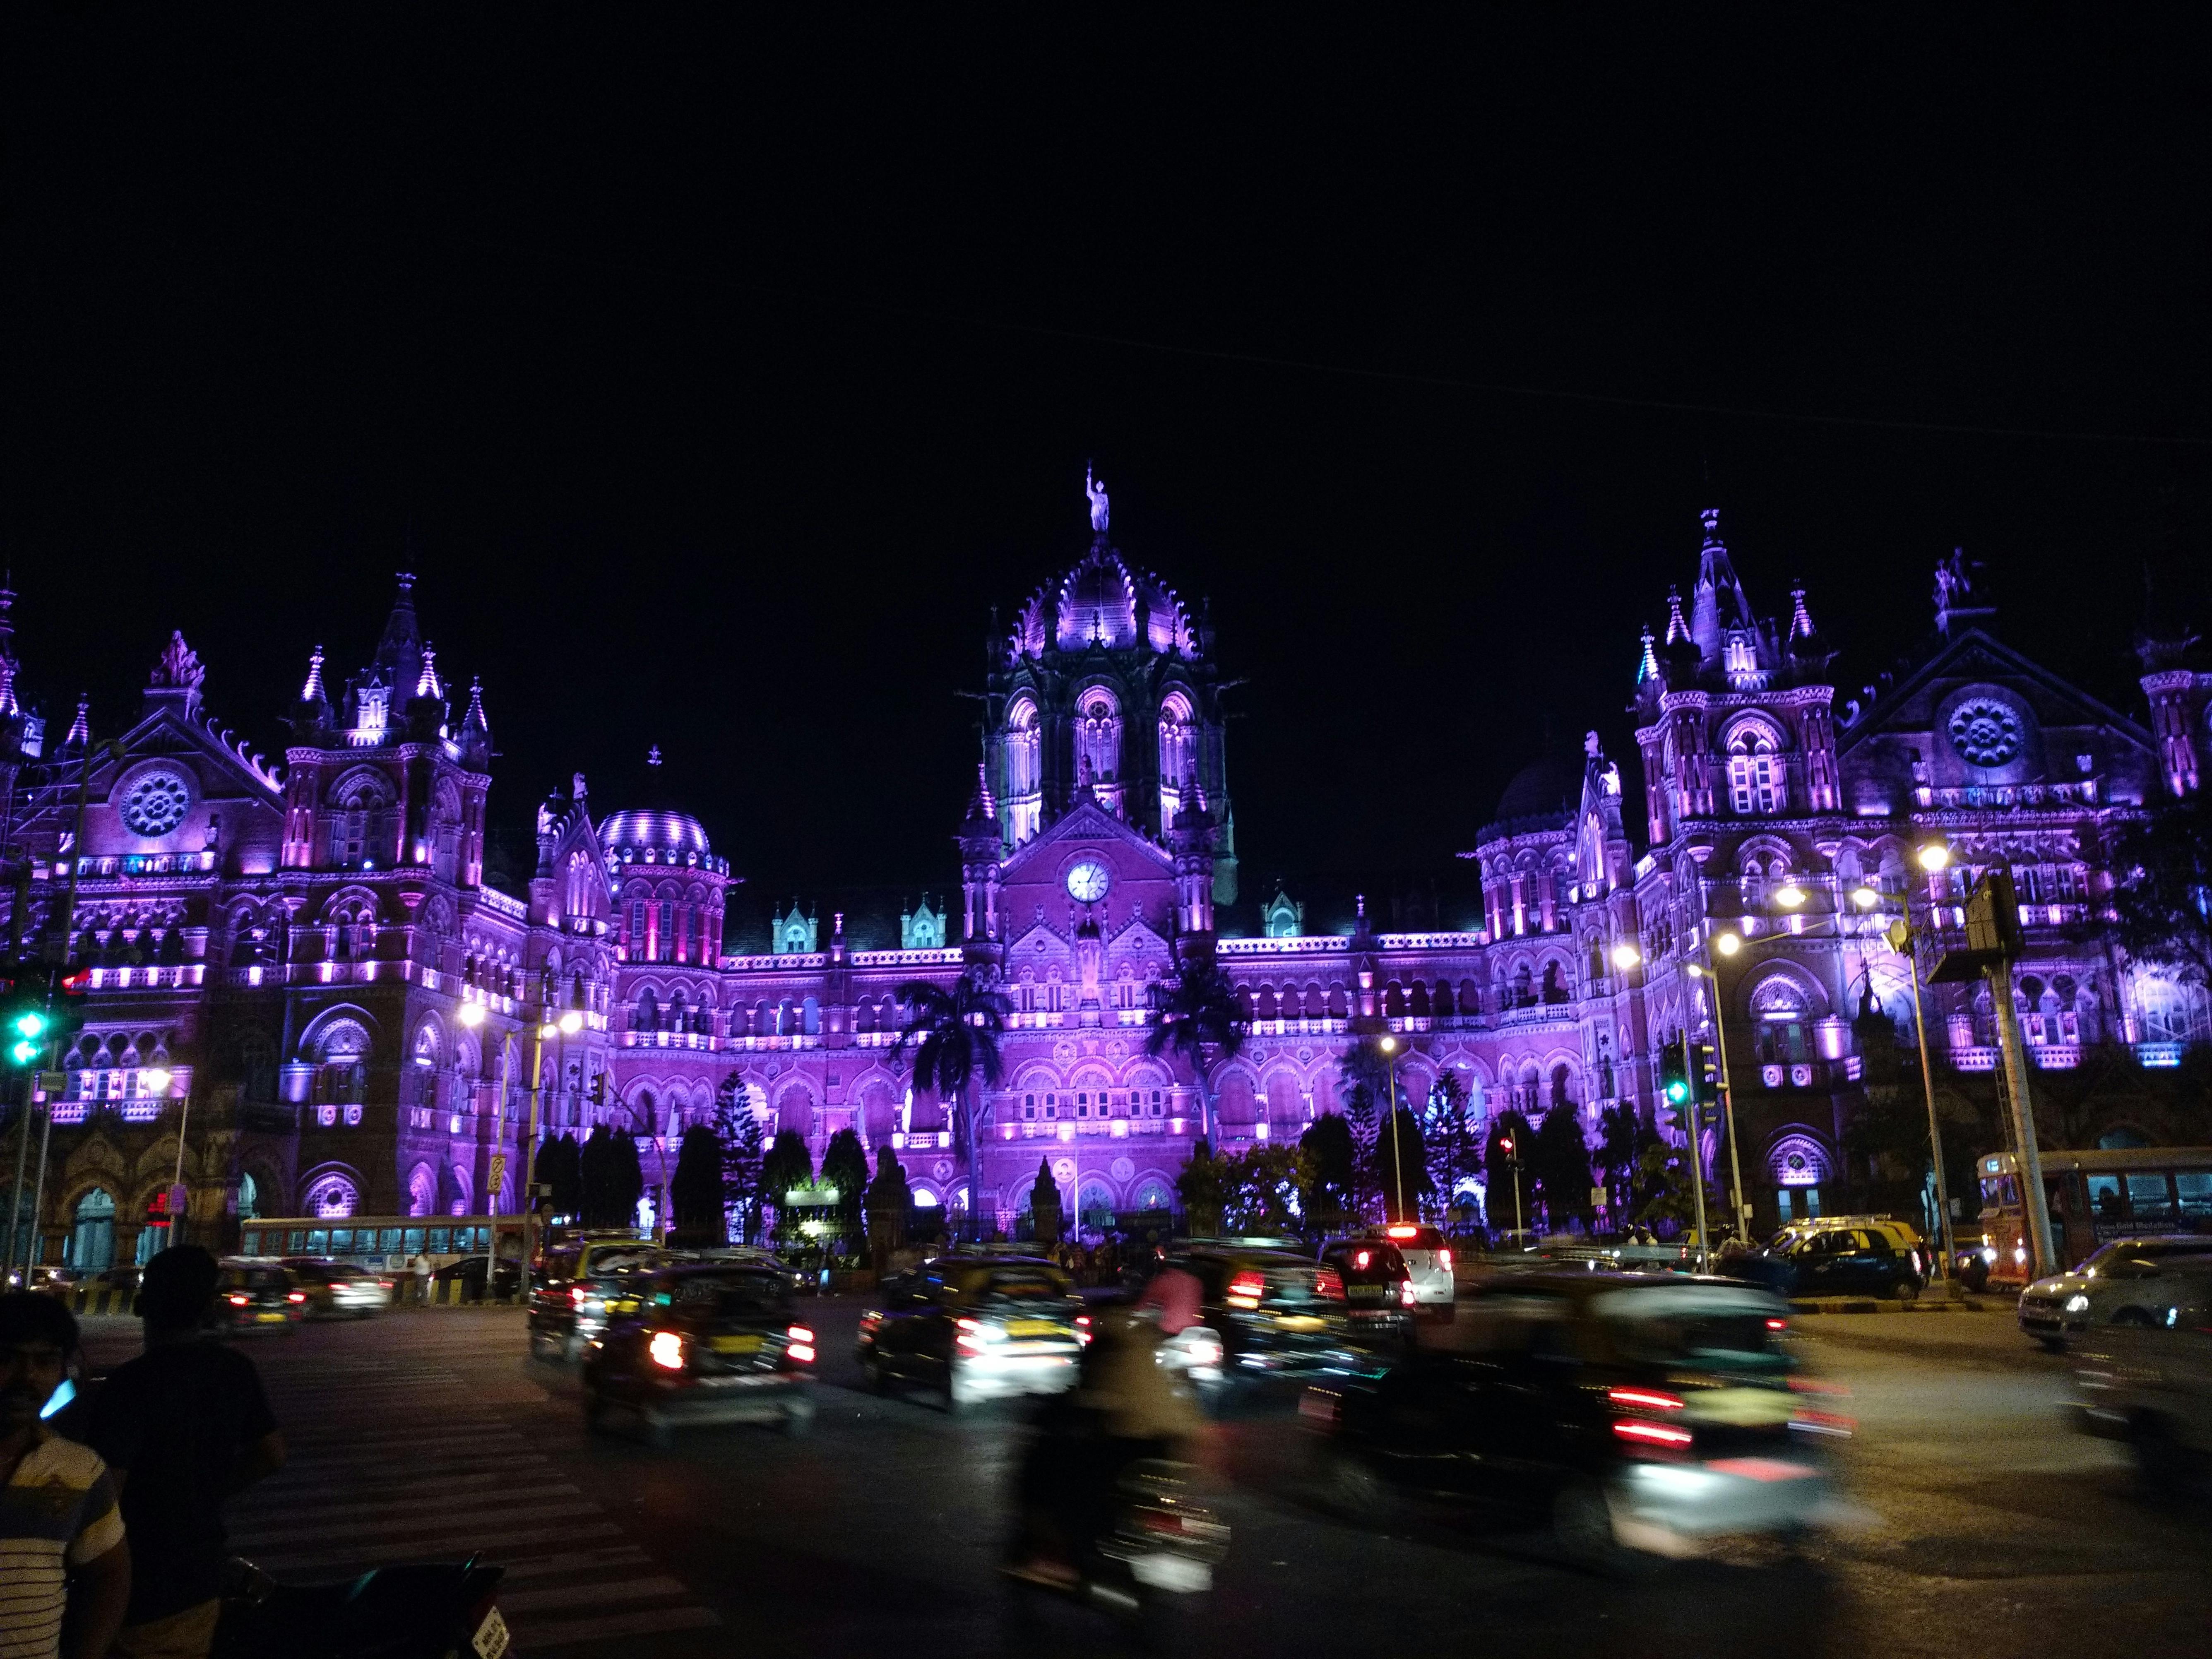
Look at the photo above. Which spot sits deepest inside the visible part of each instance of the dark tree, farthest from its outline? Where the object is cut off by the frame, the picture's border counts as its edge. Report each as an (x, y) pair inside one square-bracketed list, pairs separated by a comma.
[(1621, 1139), (1203, 1186), (1453, 1143), (954, 1035), (788, 1164), (2161, 904), (1560, 1161), (559, 1167), (1328, 1141), (612, 1181), (739, 1132), (845, 1166), (1401, 1171), (695, 1191), (1201, 1016)]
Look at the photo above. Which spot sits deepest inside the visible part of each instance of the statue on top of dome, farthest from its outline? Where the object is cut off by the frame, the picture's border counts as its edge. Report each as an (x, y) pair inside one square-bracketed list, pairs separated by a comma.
[(1096, 489)]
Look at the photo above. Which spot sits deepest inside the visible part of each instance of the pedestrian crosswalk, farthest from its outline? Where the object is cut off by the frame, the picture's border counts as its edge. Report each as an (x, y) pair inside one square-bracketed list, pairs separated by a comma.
[(402, 1449)]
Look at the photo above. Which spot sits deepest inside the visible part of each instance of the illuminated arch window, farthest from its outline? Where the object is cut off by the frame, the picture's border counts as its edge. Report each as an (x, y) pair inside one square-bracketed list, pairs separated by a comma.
[(1178, 755), (332, 1195), (1755, 771)]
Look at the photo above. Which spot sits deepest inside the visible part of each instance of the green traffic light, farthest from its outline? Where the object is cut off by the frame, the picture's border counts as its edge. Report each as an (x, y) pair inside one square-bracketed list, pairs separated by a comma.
[(30, 1023), (24, 1052), (1678, 1091)]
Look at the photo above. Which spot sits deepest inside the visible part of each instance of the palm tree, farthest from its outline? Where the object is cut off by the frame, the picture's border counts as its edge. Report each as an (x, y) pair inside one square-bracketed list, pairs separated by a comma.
[(1200, 1012), (955, 1034)]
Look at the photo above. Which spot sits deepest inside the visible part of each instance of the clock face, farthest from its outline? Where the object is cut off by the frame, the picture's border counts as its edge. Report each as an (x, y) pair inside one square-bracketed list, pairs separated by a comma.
[(156, 803), (1087, 883)]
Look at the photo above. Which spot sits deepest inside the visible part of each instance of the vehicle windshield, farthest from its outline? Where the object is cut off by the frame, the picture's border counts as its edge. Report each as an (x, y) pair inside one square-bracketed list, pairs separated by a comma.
[(1011, 1286), (732, 1295), (1695, 1325), (1368, 1260), (2106, 1256), (617, 1261)]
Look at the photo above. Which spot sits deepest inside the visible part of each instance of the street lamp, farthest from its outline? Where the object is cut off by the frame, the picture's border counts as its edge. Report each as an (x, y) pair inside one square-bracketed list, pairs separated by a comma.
[(472, 1015), (1727, 944), (1933, 857), (571, 1023), (1791, 897), (1625, 956), (1390, 1047)]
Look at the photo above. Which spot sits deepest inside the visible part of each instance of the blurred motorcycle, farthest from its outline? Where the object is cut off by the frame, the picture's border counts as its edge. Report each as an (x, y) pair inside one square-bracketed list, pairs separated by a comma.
[(1158, 1549)]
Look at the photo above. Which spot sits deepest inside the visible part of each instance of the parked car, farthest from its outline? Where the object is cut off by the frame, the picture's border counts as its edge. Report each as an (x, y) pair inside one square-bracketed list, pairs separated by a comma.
[(1623, 1411), (2151, 1386), (2129, 1281), (975, 1329), (506, 1279), (258, 1298), (1844, 1256), (338, 1290), (583, 1284), (701, 1342)]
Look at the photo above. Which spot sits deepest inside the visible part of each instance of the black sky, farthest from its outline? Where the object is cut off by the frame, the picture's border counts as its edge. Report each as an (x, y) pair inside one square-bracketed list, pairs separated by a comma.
[(717, 381)]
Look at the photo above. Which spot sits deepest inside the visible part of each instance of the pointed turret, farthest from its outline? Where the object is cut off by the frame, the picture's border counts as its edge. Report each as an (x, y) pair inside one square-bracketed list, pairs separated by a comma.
[(399, 653), (476, 732), (1647, 670), (80, 733), (311, 711), (981, 823), (1800, 620), (426, 683), (1678, 631), (1719, 606)]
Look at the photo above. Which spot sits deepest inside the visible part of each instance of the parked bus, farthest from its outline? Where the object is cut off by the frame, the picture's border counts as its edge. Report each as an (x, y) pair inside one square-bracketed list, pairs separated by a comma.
[(2095, 1195), (388, 1242)]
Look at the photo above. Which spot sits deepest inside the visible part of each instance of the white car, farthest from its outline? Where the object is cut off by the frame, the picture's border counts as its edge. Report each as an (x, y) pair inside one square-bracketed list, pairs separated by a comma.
[(2129, 1281), (1428, 1261)]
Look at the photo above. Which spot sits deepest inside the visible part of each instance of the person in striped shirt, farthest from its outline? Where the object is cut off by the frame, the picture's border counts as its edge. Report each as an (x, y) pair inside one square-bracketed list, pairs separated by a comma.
[(64, 1569)]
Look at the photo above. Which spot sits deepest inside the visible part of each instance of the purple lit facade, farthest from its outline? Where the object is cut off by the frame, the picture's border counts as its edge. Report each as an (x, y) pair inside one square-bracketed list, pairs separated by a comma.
[(312, 955)]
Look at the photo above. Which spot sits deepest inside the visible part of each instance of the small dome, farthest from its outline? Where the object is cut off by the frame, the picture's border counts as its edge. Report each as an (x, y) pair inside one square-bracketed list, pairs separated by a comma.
[(674, 832), (1548, 788)]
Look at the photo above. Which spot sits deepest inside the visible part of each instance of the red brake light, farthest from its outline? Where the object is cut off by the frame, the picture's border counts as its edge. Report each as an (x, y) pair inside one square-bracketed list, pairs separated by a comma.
[(1329, 1285), (1652, 1434), (1443, 1258), (1778, 1324), (1246, 1289), (1402, 1231), (297, 1295), (799, 1333), (237, 1300), (802, 1353), (666, 1349), (1362, 1259), (1649, 1400), (1405, 1292), (576, 1294)]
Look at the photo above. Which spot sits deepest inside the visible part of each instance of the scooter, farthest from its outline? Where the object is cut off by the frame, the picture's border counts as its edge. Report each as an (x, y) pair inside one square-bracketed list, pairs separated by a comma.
[(439, 1610), (1160, 1548)]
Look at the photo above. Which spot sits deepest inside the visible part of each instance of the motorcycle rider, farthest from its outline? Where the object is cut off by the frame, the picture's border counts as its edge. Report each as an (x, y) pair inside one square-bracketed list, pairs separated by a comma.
[(1126, 1407)]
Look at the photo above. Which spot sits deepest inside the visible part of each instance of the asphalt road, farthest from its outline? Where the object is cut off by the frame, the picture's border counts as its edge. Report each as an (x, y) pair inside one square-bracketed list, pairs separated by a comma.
[(1985, 1526)]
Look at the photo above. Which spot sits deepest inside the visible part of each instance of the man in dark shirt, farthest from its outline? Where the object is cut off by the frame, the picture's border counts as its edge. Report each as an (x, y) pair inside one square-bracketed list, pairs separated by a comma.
[(181, 1427)]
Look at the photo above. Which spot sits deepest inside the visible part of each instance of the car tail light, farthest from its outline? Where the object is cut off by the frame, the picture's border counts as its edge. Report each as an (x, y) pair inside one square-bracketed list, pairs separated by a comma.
[(1917, 1268), (870, 1320), (1443, 1258), (1246, 1289), (237, 1300), (666, 1349), (1165, 1521), (1402, 1231), (1082, 1327), (1205, 1352), (1405, 1292), (1361, 1261), (1778, 1324), (1812, 1422), (383, 1284), (798, 1334), (297, 1295), (1651, 1434), (1648, 1400), (576, 1295), (802, 1353), (1321, 1406), (1329, 1285)]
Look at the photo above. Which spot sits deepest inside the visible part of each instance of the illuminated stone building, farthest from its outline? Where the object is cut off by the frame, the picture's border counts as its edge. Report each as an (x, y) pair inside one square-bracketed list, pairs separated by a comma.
[(310, 953)]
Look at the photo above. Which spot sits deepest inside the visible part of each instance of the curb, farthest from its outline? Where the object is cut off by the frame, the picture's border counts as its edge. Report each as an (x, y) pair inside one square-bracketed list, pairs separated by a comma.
[(1868, 1306)]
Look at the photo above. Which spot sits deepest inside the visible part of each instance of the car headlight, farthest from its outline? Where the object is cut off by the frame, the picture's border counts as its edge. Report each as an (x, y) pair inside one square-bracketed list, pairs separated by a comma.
[(2077, 1302)]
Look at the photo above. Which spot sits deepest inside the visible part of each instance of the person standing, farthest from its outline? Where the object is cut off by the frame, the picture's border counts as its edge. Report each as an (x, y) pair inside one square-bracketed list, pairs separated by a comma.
[(64, 1564), (181, 1427)]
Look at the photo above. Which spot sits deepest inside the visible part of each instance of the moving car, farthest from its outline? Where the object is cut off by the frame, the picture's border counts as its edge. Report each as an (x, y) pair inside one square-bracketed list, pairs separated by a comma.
[(701, 1342), (338, 1290), (1379, 1291), (1428, 1261), (976, 1327), (1278, 1314), (1846, 1255), (583, 1284), (2129, 1281), (2151, 1386), (1629, 1411), (255, 1297), (753, 1255)]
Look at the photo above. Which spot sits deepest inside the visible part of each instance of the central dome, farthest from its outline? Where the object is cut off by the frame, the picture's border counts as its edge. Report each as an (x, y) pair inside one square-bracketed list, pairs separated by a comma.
[(673, 832), (1104, 601), (1551, 787)]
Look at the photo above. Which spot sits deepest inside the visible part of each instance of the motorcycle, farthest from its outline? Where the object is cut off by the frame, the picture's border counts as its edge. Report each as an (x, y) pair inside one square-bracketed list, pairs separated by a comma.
[(1159, 1544), (439, 1610)]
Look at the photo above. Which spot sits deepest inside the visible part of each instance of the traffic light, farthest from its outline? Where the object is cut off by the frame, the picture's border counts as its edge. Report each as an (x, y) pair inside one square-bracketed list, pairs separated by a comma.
[(27, 1024), (598, 1089), (1674, 1079), (1704, 1069)]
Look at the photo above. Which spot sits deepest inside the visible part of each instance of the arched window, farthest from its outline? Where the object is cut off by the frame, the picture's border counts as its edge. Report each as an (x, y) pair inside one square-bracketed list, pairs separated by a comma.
[(1178, 755), (341, 1078), (1778, 1013), (1755, 785), (648, 1018), (331, 1195), (358, 818), (1024, 762), (445, 833), (1098, 739)]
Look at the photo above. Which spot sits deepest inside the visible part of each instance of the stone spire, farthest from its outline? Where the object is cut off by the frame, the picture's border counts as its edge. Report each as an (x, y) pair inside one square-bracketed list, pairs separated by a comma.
[(1800, 620), (80, 731), (1718, 604), (1677, 630), (313, 690), (399, 653), (476, 730), (1647, 669), (426, 683)]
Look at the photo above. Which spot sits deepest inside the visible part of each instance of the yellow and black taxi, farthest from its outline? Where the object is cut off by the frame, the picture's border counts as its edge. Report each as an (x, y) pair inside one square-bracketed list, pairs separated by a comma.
[(1380, 1296), (1279, 1312), (701, 1343), (976, 1327), (581, 1284), (254, 1297)]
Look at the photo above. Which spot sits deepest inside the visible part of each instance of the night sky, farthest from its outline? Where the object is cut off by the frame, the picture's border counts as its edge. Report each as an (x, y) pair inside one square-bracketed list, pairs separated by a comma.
[(717, 384)]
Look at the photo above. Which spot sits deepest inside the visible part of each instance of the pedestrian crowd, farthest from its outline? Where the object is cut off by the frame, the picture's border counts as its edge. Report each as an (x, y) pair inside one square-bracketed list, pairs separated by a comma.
[(110, 1507)]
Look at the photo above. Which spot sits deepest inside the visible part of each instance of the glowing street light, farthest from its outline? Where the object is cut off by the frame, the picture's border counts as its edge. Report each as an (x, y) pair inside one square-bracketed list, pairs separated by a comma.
[(1790, 897), (1865, 897), (471, 1014), (155, 1080), (1935, 856), (1625, 956), (571, 1023), (1389, 1045), (1727, 944)]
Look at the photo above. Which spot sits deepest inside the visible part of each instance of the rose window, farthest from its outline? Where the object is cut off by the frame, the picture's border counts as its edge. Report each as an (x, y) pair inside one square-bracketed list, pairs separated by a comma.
[(156, 804), (1985, 732)]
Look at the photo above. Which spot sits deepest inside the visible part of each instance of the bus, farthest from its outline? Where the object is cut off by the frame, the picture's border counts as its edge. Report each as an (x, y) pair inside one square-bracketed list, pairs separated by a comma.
[(383, 1243), (2095, 1195)]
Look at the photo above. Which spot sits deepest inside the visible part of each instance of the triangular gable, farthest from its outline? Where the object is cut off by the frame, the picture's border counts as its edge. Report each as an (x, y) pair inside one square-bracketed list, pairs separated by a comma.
[(1037, 942), (1086, 820), (1977, 655), (168, 734), (575, 833), (1137, 934)]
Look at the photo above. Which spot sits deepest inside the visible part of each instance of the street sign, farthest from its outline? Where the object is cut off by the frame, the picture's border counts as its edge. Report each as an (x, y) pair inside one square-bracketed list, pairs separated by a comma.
[(498, 1174), (54, 1083), (1597, 1198)]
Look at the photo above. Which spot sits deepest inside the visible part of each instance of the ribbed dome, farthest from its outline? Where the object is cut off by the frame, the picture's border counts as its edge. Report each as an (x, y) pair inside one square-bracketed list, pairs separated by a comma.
[(675, 832), (1103, 599), (1548, 788)]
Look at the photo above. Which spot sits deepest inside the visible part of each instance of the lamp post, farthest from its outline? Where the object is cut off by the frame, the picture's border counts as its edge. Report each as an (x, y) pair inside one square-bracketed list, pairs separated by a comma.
[(1505, 1143), (1904, 939), (1390, 1047)]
